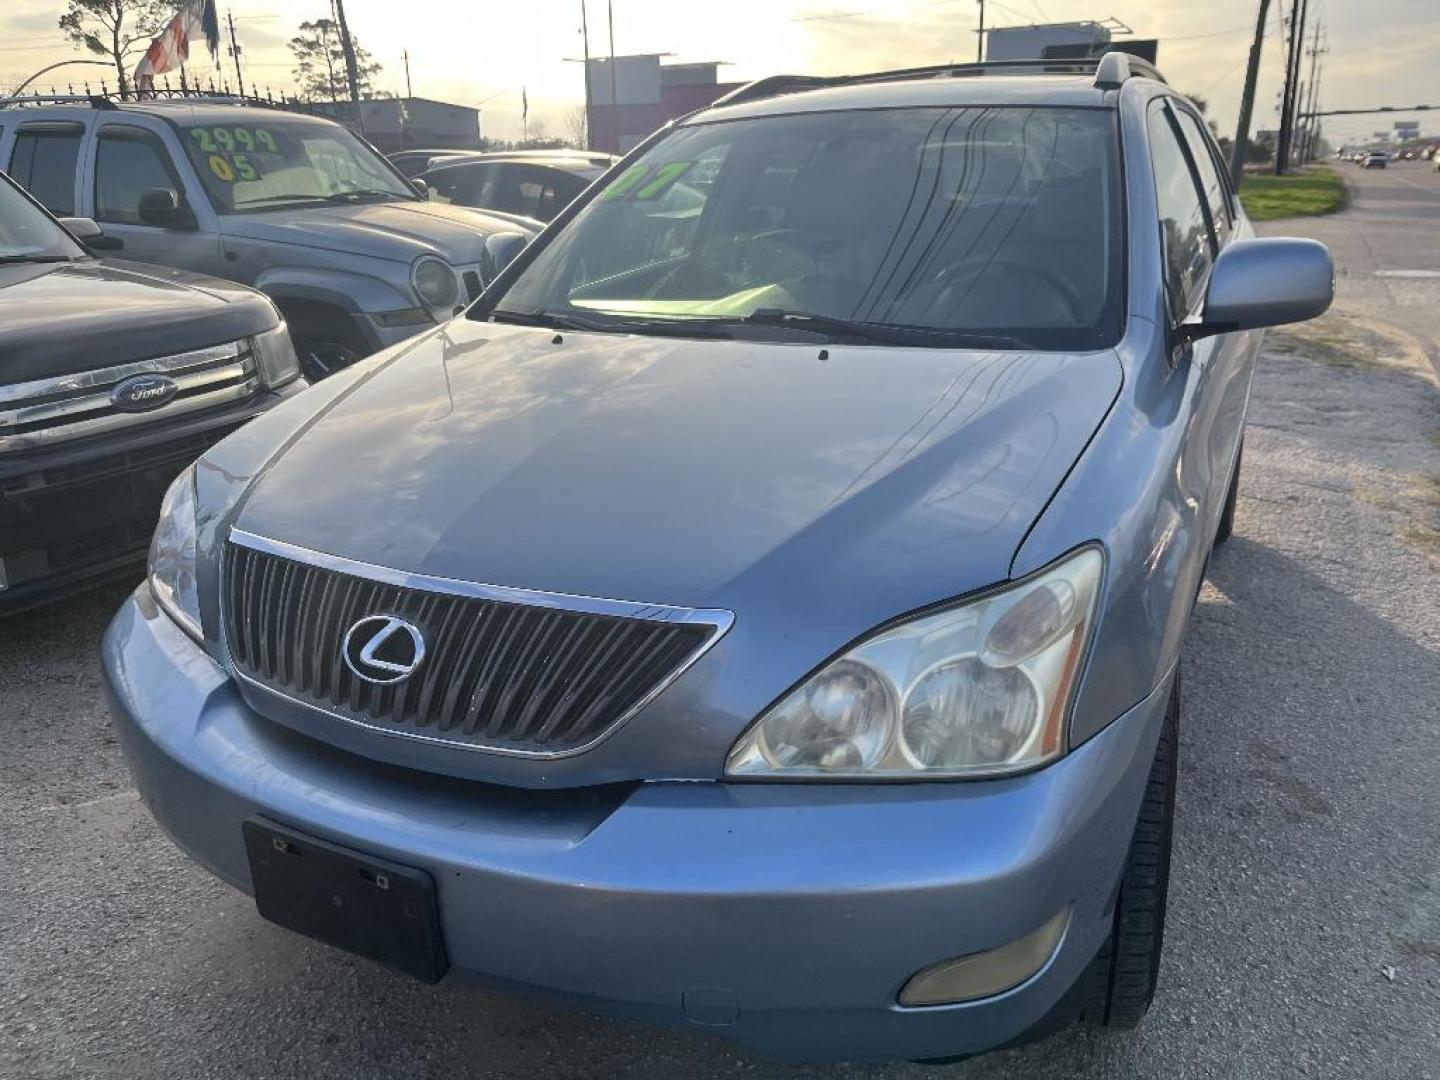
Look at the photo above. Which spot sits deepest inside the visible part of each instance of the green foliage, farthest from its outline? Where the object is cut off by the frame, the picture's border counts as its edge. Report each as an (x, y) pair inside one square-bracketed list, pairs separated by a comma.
[(320, 63), (120, 30), (1319, 191)]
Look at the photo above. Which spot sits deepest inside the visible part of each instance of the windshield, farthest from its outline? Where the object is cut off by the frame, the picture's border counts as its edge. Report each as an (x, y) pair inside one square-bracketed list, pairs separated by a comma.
[(269, 164), (976, 223), (27, 233)]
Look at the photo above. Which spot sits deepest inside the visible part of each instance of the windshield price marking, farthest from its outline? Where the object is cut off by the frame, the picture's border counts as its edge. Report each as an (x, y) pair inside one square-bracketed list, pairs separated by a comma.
[(227, 139)]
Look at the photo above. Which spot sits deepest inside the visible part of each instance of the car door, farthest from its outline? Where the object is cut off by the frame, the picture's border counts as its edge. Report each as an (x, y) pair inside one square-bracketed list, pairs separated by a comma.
[(44, 160), (129, 160), (1231, 356)]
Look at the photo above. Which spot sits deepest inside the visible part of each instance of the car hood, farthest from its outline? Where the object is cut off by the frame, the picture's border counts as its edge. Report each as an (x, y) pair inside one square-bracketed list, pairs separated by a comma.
[(61, 318), (857, 483), (402, 231)]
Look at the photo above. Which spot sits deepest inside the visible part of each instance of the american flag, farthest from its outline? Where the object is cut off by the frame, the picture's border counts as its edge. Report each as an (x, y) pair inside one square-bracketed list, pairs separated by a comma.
[(195, 21)]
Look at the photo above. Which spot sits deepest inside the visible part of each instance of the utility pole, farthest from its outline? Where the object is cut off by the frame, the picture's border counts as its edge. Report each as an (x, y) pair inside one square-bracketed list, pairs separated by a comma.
[(1292, 78), (406, 55), (589, 106), (352, 70), (1307, 124), (235, 52), (1314, 136), (980, 36), (614, 97), (1247, 99)]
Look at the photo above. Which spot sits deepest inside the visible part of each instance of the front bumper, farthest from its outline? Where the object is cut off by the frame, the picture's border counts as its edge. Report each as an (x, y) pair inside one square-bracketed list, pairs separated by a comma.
[(784, 916), (78, 513)]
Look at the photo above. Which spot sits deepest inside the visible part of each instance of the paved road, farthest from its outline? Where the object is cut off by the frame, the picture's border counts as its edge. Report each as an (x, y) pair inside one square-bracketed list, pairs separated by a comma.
[(1305, 922), (1386, 246)]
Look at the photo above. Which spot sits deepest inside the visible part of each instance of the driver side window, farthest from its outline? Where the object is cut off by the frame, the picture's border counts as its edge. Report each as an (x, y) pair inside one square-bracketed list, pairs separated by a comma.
[(1185, 235), (129, 162)]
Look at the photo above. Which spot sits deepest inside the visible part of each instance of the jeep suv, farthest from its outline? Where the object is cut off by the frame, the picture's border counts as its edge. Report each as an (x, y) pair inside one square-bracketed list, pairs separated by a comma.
[(763, 610), (296, 206), (113, 378)]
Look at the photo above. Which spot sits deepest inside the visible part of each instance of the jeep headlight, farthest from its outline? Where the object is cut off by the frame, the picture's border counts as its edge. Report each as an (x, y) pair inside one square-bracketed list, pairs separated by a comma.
[(275, 358), (981, 688), (435, 284), (172, 555)]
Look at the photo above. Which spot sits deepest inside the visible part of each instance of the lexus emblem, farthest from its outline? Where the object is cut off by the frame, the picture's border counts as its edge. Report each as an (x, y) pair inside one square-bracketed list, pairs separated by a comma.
[(383, 649)]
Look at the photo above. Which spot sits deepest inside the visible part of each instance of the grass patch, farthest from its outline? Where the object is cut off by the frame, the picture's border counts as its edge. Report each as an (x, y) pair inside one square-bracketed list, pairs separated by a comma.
[(1320, 191)]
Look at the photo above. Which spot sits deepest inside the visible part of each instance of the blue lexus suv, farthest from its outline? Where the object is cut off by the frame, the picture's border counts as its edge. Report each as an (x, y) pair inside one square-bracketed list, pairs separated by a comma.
[(762, 609)]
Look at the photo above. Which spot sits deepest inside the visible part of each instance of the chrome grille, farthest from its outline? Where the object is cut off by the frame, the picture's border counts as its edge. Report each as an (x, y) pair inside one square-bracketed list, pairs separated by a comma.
[(505, 670), (46, 411)]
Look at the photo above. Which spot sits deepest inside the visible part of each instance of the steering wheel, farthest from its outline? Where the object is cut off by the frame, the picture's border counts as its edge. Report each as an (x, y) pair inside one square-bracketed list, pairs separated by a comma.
[(976, 264)]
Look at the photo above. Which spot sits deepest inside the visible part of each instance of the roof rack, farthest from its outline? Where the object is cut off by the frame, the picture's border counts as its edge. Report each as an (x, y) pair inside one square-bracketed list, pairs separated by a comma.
[(94, 101), (1116, 66), (1110, 70), (109, 99)]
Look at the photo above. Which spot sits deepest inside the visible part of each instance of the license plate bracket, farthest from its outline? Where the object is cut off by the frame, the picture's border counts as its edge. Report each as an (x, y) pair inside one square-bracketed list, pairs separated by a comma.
[(353, 901)]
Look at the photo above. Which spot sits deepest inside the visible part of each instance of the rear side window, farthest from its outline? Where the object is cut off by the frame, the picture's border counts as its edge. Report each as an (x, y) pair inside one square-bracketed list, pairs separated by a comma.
[(1184, 230), (128, 163), (43, 162), (1217, 196)]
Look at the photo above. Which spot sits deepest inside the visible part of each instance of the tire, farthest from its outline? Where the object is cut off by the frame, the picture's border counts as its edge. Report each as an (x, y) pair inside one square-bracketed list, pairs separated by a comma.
[(325, 344), (1118, 986), (1227, 516)]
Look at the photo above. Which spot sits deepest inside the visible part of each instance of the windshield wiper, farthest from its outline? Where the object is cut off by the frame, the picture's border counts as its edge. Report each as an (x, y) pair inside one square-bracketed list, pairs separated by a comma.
[(564, 320), (884, 333), (8, 259), (295, 197), (360, 194)]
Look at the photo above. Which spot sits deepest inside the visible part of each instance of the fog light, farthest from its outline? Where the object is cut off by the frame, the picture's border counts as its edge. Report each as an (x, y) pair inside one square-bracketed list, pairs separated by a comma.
[(979, 975)]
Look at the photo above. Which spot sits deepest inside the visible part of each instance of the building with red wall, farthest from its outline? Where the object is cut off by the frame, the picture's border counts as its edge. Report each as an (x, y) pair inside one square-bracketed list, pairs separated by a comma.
[(631, 96)]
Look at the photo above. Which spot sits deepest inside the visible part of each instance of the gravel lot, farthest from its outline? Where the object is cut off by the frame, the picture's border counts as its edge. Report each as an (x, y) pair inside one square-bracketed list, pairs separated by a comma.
[(1305, 907)]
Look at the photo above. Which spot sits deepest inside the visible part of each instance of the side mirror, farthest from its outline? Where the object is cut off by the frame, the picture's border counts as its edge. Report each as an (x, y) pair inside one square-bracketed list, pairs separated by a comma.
[(501, 249), (1265, 282), (90, 234), (163, 207), (421, 187)]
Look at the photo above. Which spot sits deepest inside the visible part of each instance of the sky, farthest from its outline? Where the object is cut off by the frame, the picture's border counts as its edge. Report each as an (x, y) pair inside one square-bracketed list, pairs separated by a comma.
[(1377, 52)]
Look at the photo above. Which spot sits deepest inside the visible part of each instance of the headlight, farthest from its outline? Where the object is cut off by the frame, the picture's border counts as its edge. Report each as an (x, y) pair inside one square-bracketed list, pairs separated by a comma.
[(436, 286), (275, 358), (979, 689), (172, 555)]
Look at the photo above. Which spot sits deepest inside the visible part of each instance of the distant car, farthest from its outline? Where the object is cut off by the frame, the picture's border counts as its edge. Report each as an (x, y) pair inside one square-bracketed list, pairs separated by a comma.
[(296, 206), (114, 376), (536, 185), (1376, 159), (412, 163)]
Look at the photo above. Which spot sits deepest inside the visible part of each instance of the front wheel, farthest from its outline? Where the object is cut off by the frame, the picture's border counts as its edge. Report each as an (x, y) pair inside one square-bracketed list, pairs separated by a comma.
[(1120, 982), (321, 358), (325, 341)]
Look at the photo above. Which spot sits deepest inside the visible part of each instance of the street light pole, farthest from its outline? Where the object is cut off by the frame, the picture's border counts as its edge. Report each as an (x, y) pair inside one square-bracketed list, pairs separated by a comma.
[(52, 67), (589, 105), (614, 97), (980, 35)]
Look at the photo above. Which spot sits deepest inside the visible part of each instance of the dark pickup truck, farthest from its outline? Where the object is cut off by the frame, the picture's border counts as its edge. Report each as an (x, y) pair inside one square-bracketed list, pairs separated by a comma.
[(113, 377)]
